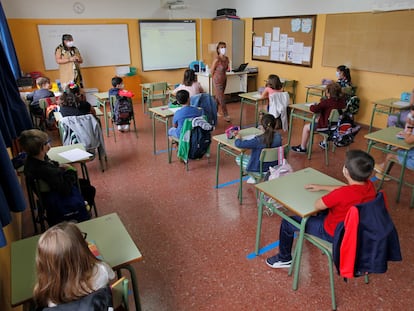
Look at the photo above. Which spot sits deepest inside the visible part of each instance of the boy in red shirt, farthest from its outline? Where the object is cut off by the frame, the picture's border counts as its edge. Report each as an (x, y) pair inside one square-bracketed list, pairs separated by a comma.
[(357, 171)]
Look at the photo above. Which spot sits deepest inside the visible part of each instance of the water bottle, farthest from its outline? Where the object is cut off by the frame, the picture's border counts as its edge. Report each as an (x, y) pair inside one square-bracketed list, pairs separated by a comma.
[(59, 85)]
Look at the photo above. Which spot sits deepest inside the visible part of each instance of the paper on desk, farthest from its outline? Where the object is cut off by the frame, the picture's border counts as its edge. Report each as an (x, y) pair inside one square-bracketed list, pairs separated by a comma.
[(401, 104), (257, 95), (248, 137), (75, 155), (175, 109)]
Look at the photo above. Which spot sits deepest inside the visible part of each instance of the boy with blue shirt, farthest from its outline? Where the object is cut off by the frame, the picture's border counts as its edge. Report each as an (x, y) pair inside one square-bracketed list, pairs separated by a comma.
[(187, 111)]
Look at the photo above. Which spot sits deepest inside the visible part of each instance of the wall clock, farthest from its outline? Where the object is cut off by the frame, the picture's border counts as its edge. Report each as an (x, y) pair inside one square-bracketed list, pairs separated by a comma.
[(78, 7)]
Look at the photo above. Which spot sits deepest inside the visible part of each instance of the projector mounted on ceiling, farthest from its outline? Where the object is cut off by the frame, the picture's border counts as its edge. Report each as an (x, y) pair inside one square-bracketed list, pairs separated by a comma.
[(173, 4)]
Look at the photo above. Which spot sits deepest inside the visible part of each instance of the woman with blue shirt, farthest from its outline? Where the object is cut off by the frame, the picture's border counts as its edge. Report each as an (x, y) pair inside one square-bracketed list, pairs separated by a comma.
[(269, 139)]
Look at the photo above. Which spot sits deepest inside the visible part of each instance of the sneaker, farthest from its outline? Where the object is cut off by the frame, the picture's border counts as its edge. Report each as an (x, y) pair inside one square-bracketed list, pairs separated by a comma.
[(251, 180), (379, 168), (275, 262), (379, 177), (298, 149), (323, 145)]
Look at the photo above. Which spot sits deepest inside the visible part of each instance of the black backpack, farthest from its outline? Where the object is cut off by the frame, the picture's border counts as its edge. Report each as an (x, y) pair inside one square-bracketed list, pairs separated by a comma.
[(122, 110), (199, 143)]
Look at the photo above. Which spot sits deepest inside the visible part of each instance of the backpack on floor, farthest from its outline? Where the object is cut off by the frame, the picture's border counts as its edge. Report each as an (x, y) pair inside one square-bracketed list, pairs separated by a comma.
[(199, 142)]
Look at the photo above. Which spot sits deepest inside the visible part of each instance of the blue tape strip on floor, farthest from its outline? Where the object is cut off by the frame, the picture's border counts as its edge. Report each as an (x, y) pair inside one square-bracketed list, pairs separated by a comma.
[(263, 250), (164, 151), (231, 182), (266, 248)]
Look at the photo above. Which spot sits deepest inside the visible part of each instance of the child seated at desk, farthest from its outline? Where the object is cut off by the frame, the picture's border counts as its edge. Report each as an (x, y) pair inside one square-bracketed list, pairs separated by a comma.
[(185, 112), (359, 189), (66, 268), (117, 84), (43, 91), (60, 178), (344, 76), (273, 84), (269, 139), (334, 100), (408, 135), (189, 84)]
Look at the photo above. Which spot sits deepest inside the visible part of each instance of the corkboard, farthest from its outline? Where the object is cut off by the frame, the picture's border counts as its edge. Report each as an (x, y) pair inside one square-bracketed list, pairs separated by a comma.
[(378, 42), (269, 34)]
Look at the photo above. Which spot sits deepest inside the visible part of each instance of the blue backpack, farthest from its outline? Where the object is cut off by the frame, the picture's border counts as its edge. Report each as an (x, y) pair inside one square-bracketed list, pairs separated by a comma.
[(199, 142)]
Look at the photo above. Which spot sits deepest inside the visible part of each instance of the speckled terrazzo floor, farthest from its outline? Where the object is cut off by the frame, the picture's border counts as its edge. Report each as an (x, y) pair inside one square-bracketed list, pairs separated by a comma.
[(195, 239)]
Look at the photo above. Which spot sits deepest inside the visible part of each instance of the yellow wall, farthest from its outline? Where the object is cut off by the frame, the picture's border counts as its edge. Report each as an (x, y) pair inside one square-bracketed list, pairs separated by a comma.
[(371, 86)]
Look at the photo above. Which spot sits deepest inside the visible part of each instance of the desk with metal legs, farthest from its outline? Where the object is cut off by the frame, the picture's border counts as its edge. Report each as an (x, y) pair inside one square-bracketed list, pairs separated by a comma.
[(102, 99), (302, 111), (387, 106), (162, 114), (227, 145), (251, 98), (298, 201), (385, 139), (109, 234)]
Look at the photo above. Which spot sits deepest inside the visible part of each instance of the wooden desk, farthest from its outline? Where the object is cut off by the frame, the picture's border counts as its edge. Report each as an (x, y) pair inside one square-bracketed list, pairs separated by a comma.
[(382, 140), (315, 90), (236, 82), (387, 106), (300, 202), (302, 111), (111, 237), (102, 100), (161, 114), (227, 145), (252, 98)]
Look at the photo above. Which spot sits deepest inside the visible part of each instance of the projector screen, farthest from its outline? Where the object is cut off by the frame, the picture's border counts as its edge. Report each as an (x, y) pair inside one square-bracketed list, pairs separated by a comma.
[(169, 44)]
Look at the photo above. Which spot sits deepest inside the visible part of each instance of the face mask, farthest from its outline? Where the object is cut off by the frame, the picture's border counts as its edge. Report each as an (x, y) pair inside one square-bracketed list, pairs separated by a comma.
[(69, 44), (222, 51), (337, 74)]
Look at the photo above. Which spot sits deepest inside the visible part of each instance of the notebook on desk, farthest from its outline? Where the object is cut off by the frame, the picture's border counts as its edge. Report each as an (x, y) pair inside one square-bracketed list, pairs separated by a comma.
[(241, 68)]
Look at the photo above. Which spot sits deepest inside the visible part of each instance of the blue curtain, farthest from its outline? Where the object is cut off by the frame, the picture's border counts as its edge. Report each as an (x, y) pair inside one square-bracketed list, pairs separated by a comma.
[(8, 45), (14, 118)]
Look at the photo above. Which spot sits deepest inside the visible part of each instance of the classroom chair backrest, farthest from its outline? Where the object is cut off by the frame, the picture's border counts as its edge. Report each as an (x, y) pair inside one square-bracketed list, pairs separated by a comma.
[(46, 102), (112, 101), (278, 103), (159, 88), (271, 155), (35, 188), (100, 299), (120, 294)]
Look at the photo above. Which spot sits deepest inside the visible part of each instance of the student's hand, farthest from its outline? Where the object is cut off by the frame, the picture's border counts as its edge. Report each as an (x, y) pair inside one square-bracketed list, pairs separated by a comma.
[(313, 187)]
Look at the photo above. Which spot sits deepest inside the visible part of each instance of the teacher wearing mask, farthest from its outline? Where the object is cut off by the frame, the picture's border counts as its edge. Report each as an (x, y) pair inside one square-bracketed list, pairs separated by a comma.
[(69, 59), (218, 72)]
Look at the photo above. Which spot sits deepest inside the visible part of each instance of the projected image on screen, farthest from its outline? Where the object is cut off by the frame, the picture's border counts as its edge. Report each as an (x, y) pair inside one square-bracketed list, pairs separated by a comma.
[(167, 44)]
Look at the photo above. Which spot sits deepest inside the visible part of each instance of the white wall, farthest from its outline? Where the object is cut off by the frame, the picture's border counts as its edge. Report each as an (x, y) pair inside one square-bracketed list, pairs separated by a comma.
[(56, 9)]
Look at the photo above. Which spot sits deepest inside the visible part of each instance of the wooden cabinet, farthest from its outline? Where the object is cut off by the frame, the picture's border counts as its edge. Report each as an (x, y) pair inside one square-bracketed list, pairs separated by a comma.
[(230, 31), (133, 83)]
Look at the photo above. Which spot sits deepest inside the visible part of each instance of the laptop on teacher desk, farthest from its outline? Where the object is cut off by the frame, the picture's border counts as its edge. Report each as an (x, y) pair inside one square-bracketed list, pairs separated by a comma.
[(241, 68)]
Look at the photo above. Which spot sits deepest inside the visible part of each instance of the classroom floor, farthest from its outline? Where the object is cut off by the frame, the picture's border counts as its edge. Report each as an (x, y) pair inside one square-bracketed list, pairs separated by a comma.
[(196, 239)]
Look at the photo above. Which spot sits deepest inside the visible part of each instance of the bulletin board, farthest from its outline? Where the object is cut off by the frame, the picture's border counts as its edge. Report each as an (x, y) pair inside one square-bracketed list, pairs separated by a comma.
[(378, 42), (99, 44), (287, 40)]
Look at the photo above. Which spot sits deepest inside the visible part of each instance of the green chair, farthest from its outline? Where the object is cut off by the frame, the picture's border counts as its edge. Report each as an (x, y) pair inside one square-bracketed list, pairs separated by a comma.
[(120, 294), (291, 84), (43, 104), (157, 92), (267, 155), (388, 167)]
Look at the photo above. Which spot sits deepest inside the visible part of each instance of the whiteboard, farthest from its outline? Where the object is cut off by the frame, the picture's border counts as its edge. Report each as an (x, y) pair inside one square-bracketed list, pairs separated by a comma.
[(99, 44), (167, 44)]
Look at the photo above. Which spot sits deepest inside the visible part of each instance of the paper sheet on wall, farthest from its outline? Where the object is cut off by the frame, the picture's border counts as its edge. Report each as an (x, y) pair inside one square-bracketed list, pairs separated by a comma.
[(283, 42), (256, 51), (265, 51), (276, 33), (306, 25), (306, 55), (258, 41), (295, 24), (267, 38)]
